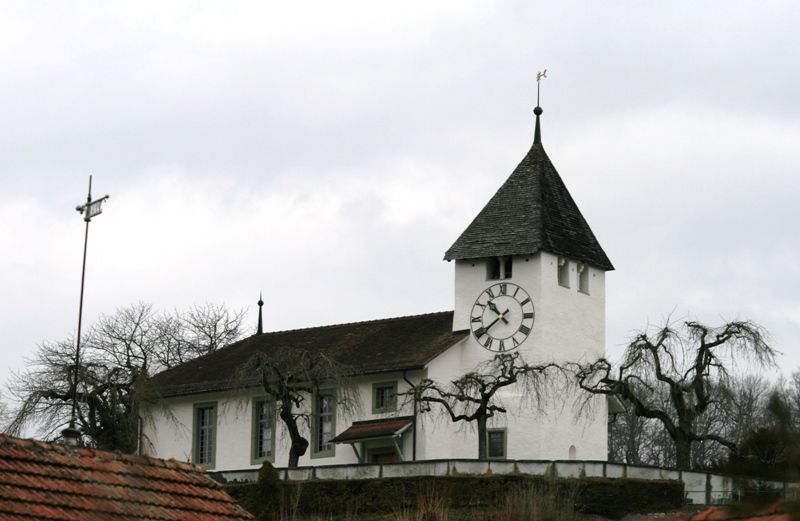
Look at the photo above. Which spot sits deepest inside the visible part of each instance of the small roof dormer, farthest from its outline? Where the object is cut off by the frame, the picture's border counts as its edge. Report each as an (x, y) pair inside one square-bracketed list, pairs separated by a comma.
[(532, 211)]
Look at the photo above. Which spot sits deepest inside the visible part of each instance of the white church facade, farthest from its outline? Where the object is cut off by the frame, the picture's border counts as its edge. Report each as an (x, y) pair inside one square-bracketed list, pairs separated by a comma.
[(529, 279)]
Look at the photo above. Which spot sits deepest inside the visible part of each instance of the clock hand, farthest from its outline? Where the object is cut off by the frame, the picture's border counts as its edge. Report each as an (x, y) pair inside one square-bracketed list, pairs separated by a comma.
[(490, 325), (502, 315)]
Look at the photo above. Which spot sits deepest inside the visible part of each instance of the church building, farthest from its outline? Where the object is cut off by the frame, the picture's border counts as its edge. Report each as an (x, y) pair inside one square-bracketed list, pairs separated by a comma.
[(529, 279)]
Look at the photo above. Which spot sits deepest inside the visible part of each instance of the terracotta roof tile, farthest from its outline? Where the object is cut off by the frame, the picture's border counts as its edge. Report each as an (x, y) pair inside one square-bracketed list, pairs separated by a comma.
[(48, 482)]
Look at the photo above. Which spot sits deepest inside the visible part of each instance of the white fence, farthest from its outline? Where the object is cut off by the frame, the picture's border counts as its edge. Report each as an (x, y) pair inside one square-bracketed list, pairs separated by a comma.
[(699, 487)]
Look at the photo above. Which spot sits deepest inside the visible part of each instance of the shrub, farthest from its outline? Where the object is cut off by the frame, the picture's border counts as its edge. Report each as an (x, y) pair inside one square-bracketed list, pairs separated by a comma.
[(409, 498)]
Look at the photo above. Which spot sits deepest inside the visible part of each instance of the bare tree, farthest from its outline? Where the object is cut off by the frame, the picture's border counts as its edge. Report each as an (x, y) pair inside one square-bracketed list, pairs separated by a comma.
[(685, 364), (793, 397), (628, 434), (292, 376), (196, 332), (119, 354), (5, 415), (473, 397)]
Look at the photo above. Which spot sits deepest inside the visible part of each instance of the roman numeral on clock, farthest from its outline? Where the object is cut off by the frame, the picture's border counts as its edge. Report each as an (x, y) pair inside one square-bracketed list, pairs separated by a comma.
[(524, 301), (476, 319), (480, 332), (525, 330), (488, 342), (527, 315), (490, 292), (503, 289)]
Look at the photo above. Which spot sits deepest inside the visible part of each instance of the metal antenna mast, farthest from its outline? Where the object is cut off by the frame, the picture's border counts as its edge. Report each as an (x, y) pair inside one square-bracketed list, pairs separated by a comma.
[(90, 209)]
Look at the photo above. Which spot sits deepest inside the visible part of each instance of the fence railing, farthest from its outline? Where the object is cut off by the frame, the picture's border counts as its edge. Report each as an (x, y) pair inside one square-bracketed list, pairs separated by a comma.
[(699, 487)]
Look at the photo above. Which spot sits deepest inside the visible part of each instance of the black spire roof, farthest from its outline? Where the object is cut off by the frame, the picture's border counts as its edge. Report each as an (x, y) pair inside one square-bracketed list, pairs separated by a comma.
[(533, 211)]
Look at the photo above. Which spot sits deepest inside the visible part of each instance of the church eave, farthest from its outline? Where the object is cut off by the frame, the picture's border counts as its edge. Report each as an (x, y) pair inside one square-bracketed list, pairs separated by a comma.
[(599, 260)]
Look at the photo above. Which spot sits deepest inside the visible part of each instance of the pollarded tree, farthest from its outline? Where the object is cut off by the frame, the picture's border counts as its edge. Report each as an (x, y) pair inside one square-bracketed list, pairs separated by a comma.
[(474, 397), (686, 364), (294, 378)]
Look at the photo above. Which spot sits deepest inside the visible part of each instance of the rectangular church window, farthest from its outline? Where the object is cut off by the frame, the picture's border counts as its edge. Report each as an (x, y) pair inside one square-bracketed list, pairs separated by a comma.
[(496, 443), (384, 397), (263, 441), (324, 425), (204, 435)]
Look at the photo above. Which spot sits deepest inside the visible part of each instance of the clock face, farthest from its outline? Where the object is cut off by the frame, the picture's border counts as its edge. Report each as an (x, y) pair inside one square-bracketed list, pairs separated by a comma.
[(502, 317)]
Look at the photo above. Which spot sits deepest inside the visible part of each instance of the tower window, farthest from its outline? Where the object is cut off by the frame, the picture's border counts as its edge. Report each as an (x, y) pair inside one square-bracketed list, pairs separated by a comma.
[(499, 267), (583, 278), (563, 272)]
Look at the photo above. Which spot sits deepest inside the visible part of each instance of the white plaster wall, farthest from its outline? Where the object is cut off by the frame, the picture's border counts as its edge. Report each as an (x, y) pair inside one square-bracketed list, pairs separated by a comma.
[(171, 436), (569, 326)]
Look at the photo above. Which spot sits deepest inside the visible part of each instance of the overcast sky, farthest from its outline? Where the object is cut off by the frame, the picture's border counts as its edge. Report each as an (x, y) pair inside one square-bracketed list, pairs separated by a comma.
[(329, 153)]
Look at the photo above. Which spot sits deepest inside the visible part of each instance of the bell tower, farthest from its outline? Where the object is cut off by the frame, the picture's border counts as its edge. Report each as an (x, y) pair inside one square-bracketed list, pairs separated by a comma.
[(529, 272)]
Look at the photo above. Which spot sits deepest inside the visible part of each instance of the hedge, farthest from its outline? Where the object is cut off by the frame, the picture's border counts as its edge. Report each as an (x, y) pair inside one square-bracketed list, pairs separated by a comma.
[(601, 496)]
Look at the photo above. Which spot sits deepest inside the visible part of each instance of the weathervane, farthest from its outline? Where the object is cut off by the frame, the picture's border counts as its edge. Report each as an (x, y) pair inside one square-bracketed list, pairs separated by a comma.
[(89, 210), (539, 77)]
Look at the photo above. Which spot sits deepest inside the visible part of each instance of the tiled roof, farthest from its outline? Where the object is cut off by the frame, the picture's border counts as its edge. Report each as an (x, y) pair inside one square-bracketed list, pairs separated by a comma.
[(780, 511), (45, 481), (375, 346), (371, 429), (533, 211)]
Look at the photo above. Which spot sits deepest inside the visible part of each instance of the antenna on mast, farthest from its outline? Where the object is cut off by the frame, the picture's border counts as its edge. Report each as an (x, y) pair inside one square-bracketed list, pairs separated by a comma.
[(537, 136), (91, 209)]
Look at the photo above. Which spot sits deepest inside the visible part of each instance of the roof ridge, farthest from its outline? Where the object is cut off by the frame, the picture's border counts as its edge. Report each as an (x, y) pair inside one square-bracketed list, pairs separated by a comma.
[(359, 322)]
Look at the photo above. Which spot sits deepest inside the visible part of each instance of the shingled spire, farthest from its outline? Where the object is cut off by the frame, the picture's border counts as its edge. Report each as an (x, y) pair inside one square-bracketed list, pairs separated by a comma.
[(533, 211)]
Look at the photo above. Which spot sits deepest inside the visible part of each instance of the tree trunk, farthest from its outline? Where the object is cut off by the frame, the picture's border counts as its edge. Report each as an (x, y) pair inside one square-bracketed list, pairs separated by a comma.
[(483, 453), (683, 452), (299, 443)]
